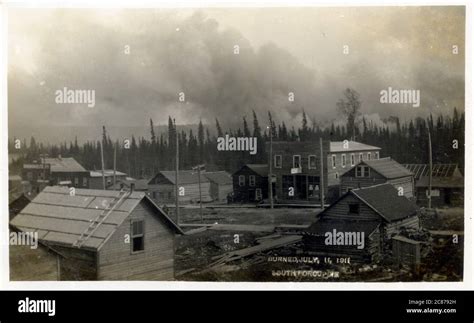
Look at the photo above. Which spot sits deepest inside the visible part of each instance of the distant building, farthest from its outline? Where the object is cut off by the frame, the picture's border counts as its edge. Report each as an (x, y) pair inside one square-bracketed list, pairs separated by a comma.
[(129, 183), (90, 230), (377, 211), (162, 187), (344, 155), (447, 185), (250, 183), (55, 171), (96, 180), (377, 171), (221, 184), (297, 169), (17, 202)]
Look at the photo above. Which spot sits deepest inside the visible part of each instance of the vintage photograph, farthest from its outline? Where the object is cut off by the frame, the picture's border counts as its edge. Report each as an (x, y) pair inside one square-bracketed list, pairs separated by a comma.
[(236, 144)]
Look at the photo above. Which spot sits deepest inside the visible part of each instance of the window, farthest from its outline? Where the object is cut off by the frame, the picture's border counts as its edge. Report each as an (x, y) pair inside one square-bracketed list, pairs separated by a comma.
[(277, 161), (312, 162), (368, 156), (138, 235), (296, 161), (241, 180), (252, 180), (76, 181), (361, 157), (353, 160), (354, 208), (109, 181), (362, 171), (333, 161), (258, 194), (376, 155), (84, 181), (343, 160), (336, 175)]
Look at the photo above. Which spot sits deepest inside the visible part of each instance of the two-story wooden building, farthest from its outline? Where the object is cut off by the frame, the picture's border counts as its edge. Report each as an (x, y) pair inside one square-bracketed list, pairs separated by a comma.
[(378, 212), (344, 155), (250, 183), (297, 169), (378, 171), (64, 171), (100, 235)]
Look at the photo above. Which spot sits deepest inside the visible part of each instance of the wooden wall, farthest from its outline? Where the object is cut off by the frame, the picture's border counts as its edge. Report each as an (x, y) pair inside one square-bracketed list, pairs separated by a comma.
[(241, 193), (155, 262)]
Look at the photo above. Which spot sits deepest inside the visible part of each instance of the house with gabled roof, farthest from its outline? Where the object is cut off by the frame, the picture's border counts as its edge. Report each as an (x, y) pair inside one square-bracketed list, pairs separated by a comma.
[(250, 183), (102, 235), (377, 211), (162, 187), (377, 171), (221, 184)]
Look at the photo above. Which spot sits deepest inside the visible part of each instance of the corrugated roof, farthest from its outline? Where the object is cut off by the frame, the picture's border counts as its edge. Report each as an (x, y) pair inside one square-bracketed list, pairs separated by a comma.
[(384, 199), (338, 146), (261, 169), (61, 218), (221, 178), (63, 164), (438, 170), (184, 177), (387, 167)]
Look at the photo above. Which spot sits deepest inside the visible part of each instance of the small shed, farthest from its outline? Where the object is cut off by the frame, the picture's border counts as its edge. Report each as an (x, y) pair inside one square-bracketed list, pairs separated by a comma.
[(406, 252), (102, 235), (221, 185)]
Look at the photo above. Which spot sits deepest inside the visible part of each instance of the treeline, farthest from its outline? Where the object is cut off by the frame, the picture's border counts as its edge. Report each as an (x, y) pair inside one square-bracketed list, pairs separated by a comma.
[(142, 157)]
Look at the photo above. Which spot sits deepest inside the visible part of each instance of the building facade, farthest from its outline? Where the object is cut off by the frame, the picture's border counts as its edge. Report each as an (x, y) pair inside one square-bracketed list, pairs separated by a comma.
[(250, 183)]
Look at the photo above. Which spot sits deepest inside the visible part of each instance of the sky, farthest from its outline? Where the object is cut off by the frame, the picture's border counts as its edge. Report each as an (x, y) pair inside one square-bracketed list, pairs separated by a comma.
[(193, 51)]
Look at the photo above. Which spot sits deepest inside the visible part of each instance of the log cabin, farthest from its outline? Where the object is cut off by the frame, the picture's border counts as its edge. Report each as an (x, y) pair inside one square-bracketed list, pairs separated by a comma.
[(377, 211), (102, 235), (377, 171)]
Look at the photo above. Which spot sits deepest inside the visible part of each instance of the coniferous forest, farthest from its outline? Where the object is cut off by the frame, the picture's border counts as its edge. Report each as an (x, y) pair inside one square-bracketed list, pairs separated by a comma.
[(141, 157)]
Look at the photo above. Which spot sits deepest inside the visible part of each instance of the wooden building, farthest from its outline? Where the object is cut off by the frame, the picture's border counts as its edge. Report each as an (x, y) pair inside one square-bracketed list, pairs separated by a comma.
[(344, 155), (377, 211), (96, 180), (447, 184), (55, 171), (297, 169), (378, 171), (161, 187), (221, 185), (250, 183), (129, 183), (102, 235), (17, 202)]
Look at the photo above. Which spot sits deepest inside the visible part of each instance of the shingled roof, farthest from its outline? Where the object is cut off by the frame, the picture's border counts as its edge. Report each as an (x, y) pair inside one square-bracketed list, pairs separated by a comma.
[(338, 146), (60, 218), (387, 167), (222, 177), (260, 169), (63, 164), (385, 201)]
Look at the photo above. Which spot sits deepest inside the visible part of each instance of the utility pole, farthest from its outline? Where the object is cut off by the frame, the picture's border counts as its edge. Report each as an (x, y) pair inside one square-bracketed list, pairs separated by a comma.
[(176, 174), (198, 168), (430, 181), (270, 175), (115, 164), (102, 161), (321, 173)]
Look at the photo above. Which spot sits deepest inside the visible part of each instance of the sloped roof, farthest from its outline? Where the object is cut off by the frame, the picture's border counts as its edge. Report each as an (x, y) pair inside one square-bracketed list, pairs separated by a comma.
[(261, 169), (107, 173), (63, 164), (338, 146), (384, 200), (387, 167), (184, 176), (438, 170), (60, 218), (140, 184), (221, 178)]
